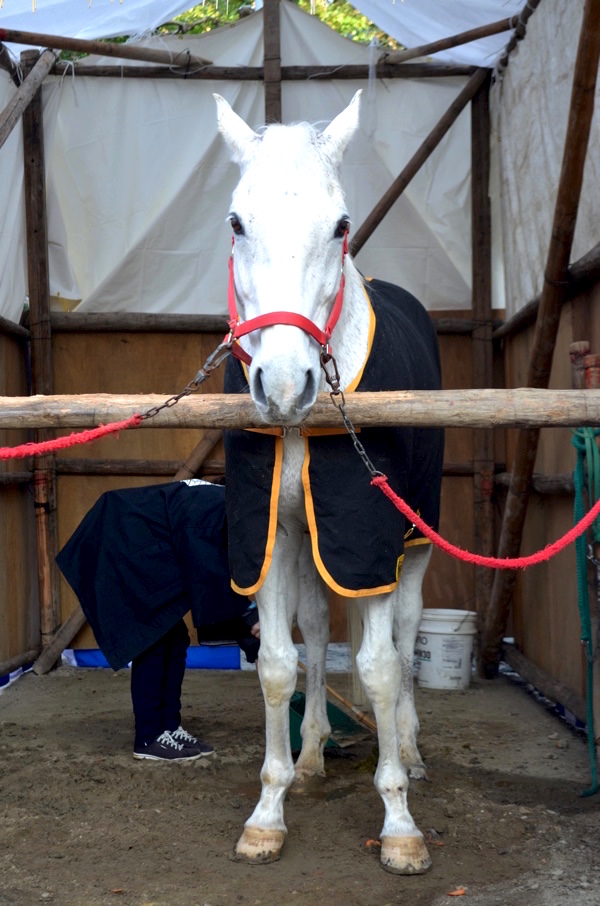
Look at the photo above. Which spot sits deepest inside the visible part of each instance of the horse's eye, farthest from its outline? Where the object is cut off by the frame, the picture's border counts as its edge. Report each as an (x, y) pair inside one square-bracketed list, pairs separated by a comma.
[(236, 226), (342, 228)]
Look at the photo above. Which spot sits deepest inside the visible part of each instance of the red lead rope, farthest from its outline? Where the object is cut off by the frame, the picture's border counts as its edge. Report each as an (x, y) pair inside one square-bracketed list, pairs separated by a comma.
[(546, 553), (240, 329)]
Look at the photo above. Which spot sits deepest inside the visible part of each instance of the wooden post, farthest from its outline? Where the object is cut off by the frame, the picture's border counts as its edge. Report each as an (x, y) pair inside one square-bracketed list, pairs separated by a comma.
[(44, 483), (482, 350), (102, 48), (272, 61), (546, 328), (191, 467), (368, 227), (11, 114)]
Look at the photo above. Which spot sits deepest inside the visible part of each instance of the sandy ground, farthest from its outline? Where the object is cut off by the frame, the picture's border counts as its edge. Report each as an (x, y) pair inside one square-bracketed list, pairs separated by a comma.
[(82, 823)]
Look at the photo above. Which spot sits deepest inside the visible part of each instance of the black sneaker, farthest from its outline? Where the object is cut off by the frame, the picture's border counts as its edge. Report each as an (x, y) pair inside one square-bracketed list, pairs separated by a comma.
[(165, 748), (190, 742)]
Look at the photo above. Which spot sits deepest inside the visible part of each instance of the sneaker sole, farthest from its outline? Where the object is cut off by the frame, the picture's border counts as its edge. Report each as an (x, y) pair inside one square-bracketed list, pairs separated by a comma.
[(139, 757)]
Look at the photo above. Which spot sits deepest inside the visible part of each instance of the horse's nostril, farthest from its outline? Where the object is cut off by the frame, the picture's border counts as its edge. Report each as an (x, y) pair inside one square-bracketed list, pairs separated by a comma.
[(259, 394), (310, 390)]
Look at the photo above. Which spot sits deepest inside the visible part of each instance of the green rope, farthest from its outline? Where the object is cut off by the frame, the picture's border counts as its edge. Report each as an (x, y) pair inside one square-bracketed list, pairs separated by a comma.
[(584, 441)]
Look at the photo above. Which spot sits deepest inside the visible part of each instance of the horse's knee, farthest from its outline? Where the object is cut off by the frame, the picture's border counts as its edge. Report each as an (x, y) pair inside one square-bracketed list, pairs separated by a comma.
[(379, 672), (277, 672)]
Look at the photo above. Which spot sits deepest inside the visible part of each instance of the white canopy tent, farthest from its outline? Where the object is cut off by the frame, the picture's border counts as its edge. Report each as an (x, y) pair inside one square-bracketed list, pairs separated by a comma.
[(139, 182)]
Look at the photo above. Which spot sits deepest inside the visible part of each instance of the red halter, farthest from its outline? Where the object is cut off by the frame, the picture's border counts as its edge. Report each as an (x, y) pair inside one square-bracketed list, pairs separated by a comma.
[(239, 329)]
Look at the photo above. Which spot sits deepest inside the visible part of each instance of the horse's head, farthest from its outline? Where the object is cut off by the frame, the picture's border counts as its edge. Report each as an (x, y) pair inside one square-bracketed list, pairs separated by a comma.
[(289, 221)]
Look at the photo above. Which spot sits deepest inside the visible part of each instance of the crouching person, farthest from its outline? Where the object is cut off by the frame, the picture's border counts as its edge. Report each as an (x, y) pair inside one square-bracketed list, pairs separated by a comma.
[(138, 562)]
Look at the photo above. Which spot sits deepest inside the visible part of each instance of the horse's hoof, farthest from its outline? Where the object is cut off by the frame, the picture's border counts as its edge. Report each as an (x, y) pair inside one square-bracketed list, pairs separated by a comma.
[(417, 771), (306, 781), (259, 846), (404, 855)]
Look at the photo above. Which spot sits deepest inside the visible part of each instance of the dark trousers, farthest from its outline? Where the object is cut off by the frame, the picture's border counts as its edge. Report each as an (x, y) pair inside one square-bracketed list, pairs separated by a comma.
[(156, 678)]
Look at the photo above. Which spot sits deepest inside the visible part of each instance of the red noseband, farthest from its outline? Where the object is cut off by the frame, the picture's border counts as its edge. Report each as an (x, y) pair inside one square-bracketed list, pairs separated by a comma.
[(239, 329)]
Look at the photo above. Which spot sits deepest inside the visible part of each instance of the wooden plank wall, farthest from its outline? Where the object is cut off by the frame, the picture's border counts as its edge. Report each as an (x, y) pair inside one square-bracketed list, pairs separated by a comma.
[(123, 363), (164, 363), (545, 622), (19, 612)]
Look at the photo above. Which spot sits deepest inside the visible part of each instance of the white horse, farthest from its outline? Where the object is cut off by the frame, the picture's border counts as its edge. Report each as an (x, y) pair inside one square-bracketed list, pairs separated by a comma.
[(290, 225)]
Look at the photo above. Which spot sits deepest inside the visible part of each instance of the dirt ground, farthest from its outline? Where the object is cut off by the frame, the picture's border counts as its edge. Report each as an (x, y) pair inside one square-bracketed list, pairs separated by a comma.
[(83, 824)]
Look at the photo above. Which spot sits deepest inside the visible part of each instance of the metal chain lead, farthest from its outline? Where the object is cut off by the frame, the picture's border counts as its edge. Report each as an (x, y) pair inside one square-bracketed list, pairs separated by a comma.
[(211, 364), (333, 379)]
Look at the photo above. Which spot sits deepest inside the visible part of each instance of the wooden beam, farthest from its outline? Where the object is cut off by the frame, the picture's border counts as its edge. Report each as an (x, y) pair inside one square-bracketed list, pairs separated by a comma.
[(427, 408), (44, 485), (13, 111), (561, 484), (482, 346), (102, 48), (416, 162), (7, 64), (465, 37), (154, 467), (136, 322), (198, 456), (20, 660), (582, 274), (59, 641), (544, 683), (552, 299), (272, 60), (9, 328), (353, 71)]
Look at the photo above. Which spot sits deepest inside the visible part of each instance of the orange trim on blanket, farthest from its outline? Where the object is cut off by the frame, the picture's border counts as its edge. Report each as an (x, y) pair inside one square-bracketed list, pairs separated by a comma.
[(273, 505), (416, 541), (372, 324), (312, 527)]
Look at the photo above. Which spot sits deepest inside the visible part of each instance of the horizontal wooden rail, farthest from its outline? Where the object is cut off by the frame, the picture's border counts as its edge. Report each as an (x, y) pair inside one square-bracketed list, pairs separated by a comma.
[(446, 408), (345, 71), (19, 660), (103, 48)]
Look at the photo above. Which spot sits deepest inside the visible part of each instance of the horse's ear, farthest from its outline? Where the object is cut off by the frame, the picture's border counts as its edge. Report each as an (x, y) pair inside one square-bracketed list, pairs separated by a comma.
[(339, 132), (234, 130)]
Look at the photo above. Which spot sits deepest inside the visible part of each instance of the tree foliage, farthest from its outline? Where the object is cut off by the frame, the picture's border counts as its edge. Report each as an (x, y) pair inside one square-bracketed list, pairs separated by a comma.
[(338, 14)]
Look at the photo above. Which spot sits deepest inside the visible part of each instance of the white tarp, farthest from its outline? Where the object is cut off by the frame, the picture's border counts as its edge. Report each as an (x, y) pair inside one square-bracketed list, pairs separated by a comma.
[(139, 181), (530, 108), (89, 20), (417, 22)]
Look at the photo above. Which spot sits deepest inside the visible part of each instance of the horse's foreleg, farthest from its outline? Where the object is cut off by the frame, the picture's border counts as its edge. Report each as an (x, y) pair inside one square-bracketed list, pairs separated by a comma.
[(313, 620), (264, 832), (403, 849), (409, 607)]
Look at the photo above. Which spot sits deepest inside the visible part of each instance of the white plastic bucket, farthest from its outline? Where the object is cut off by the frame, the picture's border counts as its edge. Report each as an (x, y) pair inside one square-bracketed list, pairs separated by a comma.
[(444, 648)]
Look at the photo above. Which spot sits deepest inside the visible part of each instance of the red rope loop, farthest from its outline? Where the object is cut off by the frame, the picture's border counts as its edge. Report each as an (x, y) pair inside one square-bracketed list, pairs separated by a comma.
[(71, 440), (546, 553)]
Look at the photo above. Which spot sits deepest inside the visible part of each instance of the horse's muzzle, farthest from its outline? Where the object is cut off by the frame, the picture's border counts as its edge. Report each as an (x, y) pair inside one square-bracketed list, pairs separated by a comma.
[(280, 401)]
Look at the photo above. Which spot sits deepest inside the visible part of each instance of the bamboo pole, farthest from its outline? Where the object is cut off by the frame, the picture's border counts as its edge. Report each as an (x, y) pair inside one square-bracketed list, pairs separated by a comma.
[(552, 298), (272, 60), (429, 145), (102, 48), (427, 408), (482, 347), (13, 111), (465, 37), (44, 483)]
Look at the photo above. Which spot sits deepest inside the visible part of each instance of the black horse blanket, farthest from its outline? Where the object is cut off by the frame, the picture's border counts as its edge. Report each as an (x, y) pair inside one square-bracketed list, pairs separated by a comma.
[(358, 536), (143, 557)]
